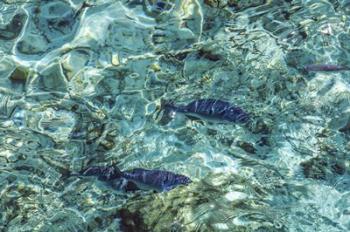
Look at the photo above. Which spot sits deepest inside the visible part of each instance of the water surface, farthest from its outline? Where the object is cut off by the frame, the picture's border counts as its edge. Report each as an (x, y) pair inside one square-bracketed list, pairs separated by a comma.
[(81, 84)]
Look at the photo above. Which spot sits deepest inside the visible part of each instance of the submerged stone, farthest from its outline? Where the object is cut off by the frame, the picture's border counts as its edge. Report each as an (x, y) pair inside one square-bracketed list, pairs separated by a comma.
[(19, 75), (131, 221), (51, 78), (54, 23), (14, 28), (322, 168), (247, 147)]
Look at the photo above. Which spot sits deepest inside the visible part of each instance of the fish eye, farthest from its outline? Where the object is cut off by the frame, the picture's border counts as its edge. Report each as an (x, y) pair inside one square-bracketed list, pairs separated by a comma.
[(234, 110)]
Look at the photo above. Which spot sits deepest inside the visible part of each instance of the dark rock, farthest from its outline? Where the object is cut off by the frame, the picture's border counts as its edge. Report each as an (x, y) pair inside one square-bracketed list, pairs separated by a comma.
[(14, 28), (19, 75), (322, 168), (247, 147), (131, 221)]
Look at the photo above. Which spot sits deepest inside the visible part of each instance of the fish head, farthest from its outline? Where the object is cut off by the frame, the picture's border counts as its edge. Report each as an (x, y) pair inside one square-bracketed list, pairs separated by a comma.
[(236, 114), (155, 179), (178, 180), (181, 179)]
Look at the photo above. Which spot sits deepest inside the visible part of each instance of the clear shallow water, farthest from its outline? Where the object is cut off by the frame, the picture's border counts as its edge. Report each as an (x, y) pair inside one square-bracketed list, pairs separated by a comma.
[(81, 85)]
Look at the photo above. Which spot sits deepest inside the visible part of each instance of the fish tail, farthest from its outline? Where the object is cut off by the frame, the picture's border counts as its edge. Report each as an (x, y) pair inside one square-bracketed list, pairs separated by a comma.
[(167, 105), (325, 67), (244, 118), (168, 110), (105, 173)]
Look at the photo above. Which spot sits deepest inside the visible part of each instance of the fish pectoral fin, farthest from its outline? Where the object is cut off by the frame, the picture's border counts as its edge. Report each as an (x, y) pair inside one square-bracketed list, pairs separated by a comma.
[(168, 188), (123, 185), (196, 119), (131, 186)]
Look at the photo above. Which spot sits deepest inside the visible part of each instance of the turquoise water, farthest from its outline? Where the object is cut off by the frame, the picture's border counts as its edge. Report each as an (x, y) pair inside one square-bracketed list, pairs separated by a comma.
[(81, 84)]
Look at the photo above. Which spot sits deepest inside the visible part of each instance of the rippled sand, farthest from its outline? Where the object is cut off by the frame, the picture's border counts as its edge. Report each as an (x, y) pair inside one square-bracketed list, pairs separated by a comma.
[(81, 84)]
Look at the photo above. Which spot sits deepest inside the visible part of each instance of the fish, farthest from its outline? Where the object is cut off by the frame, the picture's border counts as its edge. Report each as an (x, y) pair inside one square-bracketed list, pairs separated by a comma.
[(138, 178), (325, 68), (208, 109)]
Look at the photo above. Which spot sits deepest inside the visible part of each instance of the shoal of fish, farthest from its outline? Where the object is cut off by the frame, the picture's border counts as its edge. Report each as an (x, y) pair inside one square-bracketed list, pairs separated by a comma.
[(161, 180)]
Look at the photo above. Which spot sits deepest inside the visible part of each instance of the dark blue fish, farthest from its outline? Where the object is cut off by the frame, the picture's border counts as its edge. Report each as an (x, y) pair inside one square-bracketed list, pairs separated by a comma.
[(325, 68), (138, 178), (209, 109), (103, 173)]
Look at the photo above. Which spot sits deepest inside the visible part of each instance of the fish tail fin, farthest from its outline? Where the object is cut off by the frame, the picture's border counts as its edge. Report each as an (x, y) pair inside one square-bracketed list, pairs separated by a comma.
[(103, 173), (167, 105), (244, 118), (167, 111)]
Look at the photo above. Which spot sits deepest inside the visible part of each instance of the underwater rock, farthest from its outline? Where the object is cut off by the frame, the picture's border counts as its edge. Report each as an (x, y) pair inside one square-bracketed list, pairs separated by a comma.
[(202, 207), (19, 75), (178, 27), (131, 221), (261, 126), (237, 4), (322, 168), (89, 129), (241, 5), (281, 23), (314, 168), (343, 40), (157, 7), (33, 44), (57, 123), (14, 28), (329, 90), (49, 79), (57, 162), (53, 123), (52, 24), (65, 220), (210, 55), (9, 105), (216, 3), (297, 58), (126, 37), (346, 128), (341, 122), (75, 61), (209, 109), (248, 147)]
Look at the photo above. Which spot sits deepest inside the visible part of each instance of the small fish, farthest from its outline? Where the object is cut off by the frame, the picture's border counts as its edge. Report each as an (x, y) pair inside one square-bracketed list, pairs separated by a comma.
[(209, 109), (138, 178), (325, 68)]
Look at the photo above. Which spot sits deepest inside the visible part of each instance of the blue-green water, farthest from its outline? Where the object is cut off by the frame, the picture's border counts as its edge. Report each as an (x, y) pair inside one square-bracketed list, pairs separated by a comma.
[(81, 84)]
